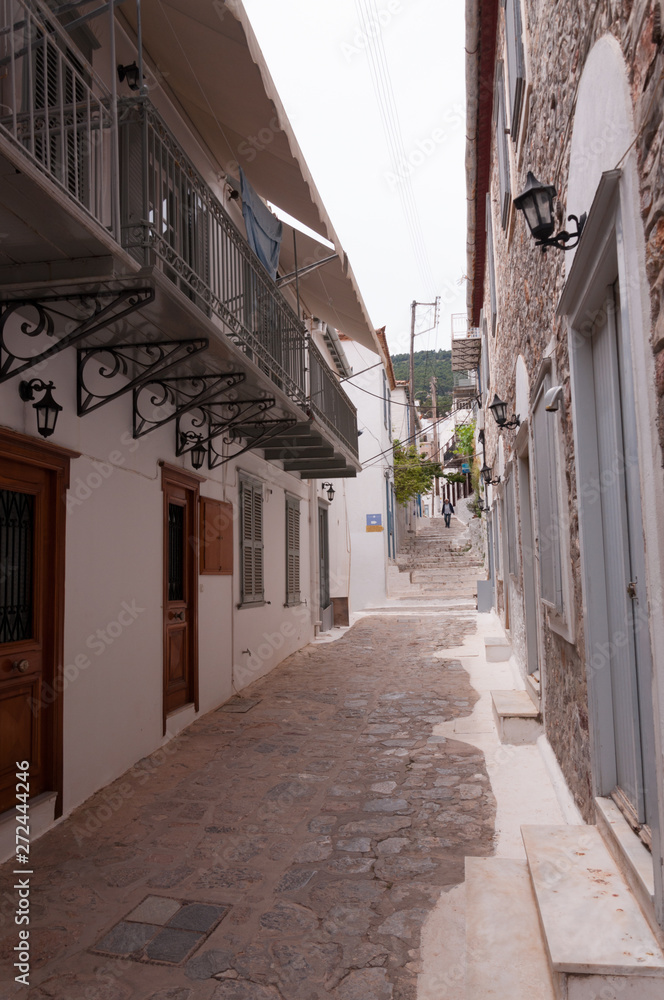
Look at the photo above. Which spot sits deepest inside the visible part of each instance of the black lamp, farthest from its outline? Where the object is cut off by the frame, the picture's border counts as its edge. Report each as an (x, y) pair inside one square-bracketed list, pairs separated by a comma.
[(536, 203), (198, 453), (47, 408), (130, 74), (486, 473), (330, 490), (499, 410)]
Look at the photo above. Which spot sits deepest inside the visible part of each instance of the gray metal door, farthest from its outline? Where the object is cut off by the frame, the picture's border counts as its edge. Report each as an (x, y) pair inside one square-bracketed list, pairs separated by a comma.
[(627, 650)]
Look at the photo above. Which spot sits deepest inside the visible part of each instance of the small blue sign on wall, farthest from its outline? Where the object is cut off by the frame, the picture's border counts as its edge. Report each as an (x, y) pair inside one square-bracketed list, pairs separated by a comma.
[(374, 522)]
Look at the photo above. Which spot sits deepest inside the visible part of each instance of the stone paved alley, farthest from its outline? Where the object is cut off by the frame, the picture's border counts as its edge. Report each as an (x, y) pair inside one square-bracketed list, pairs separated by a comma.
[(317, 827)]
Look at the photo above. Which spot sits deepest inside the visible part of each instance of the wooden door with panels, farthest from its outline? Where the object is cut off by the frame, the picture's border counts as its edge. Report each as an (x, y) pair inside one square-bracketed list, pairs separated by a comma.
[(180, 583), (33, 483)]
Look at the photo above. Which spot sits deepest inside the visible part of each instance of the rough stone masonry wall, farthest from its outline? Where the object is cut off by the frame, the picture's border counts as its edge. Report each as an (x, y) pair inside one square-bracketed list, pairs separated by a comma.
[(560, 36)]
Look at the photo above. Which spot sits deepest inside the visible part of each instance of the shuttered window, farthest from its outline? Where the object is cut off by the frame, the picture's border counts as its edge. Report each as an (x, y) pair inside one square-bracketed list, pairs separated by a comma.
[(216, 537), (546, 493), (515, 62), (502, 149), (492, 265), (292, 551), (510, 524), (251, 542)]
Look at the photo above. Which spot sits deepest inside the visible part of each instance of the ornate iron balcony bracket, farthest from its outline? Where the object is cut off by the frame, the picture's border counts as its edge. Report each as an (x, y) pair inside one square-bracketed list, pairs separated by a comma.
[(209, 421), (268, 428), (121, 367), (160, 400), (26, 341)]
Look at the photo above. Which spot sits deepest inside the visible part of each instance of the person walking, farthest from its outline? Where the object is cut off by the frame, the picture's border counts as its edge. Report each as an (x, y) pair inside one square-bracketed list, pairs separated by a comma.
[(448, 510)]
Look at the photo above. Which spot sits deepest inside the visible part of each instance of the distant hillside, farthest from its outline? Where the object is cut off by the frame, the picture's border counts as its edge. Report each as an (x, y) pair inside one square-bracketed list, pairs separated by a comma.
[(426, 364)]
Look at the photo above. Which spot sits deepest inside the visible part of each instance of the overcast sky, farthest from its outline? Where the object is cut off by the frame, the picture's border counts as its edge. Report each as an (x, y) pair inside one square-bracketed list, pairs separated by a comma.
[(319, 57)]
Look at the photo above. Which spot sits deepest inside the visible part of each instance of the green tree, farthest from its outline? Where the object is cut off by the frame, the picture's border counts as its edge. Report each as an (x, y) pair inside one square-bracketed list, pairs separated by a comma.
[(465, 435), (413, 472)]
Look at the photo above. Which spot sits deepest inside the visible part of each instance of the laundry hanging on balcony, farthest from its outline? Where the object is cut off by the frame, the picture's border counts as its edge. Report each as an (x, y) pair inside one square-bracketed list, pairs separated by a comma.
[(263, 229)]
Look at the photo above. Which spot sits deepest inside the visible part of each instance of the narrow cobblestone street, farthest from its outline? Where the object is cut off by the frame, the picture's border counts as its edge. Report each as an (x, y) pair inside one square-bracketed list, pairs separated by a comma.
[(288, 846)]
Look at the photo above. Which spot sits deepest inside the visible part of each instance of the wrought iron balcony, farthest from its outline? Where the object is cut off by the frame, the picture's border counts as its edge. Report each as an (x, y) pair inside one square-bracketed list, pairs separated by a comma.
[(125, 169), (54, 108), (171, 219)]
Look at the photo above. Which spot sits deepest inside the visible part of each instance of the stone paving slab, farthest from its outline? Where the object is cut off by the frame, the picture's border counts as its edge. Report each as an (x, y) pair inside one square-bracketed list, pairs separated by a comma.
[(323, 825)]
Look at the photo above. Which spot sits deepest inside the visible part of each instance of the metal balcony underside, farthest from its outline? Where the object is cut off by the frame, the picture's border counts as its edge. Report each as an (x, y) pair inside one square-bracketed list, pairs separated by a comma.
[(64, 233)]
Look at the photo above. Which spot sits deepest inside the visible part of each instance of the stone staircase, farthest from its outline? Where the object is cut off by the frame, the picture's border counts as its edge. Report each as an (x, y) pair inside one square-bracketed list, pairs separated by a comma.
[(562, 925), (437, 562)]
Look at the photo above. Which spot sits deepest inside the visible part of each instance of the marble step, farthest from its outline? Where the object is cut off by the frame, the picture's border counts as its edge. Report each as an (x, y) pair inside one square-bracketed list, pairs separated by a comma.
[(505, 956), (598, 941), (497, 648), (518, 721)]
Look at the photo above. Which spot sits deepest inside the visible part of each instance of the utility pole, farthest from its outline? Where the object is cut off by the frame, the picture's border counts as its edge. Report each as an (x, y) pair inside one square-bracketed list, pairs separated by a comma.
[(411, 380), (411, 375), (434, 414)]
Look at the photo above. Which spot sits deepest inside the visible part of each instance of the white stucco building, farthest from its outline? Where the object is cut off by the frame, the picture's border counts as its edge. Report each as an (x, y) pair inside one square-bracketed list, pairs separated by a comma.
[(167, 543)]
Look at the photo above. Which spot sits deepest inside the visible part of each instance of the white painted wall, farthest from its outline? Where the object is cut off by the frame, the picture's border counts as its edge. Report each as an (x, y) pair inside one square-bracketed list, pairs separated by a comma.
[(113, 693), (359, 557)]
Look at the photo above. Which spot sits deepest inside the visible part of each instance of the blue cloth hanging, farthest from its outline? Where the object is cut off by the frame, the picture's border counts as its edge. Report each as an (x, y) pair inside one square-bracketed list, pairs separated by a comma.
[(264, 230)]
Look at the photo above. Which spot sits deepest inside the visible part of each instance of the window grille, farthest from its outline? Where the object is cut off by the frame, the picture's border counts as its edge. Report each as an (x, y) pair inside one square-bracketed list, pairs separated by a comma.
[(17, 521)]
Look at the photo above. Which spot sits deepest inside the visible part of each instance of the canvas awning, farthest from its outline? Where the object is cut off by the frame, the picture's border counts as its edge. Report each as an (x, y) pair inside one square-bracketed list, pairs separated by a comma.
[(330, 291), (210, 59)]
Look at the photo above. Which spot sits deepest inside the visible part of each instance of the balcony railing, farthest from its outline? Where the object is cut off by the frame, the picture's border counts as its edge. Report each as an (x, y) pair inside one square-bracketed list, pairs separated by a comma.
[(123, 163), (171, 219), (329, 402), (53, 106)]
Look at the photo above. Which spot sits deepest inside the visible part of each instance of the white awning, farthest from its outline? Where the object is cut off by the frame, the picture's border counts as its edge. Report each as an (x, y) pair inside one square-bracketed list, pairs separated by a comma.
[(330, 291), (211, 61)]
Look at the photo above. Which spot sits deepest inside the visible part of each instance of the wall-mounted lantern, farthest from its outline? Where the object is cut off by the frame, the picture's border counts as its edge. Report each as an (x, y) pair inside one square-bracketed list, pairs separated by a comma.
[(130, 73), (198, 453), (47, 408), (499, 410), (536, 203), (330, 490), (487, 473)]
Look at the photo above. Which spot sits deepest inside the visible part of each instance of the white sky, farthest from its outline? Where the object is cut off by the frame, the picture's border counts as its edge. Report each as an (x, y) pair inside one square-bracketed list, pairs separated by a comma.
[(318, 58)]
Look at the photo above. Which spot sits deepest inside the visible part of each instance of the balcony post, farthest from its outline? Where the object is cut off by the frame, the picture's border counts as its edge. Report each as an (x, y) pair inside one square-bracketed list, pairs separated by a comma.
[(115, 146)]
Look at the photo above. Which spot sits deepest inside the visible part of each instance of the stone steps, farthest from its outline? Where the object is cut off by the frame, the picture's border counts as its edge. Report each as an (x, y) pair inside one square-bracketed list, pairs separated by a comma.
[(598, 941), (562, 925), (517, 719), (505, 956)]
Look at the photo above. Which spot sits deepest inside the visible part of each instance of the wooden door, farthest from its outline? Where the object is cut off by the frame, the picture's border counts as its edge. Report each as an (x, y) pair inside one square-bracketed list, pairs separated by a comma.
[(180, 590), (33, 481)]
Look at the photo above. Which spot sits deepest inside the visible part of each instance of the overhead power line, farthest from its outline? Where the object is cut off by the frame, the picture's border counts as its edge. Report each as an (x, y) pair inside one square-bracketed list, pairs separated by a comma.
[(384, 91)]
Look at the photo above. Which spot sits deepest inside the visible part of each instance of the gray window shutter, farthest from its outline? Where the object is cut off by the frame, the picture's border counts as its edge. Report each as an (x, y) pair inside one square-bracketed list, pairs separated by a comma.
[(502, 148), (510, 519), (492, 265), (292, 552), (546, 491), (252, 543), (515, 62)]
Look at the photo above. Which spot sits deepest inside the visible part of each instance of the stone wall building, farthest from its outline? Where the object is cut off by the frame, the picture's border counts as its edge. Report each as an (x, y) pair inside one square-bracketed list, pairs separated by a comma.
[(574, 93)]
